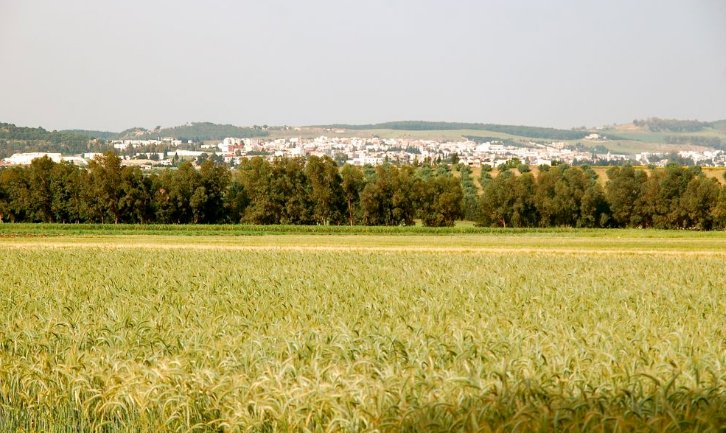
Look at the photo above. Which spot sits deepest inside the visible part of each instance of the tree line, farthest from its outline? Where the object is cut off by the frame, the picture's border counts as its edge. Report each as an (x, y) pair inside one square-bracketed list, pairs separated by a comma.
[(318, 191), (675, 197), (258, 191), (656, 124)]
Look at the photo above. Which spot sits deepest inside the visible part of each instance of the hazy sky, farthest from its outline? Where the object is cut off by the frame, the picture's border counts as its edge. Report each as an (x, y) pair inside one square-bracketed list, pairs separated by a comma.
[(99, 64)]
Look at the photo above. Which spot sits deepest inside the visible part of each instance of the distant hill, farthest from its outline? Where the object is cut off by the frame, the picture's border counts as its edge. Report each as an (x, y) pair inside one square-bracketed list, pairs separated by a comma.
[(656, 124), (672, 132), (198, 131), (19, 139), (101, 135), (652, 135), (518, 130)]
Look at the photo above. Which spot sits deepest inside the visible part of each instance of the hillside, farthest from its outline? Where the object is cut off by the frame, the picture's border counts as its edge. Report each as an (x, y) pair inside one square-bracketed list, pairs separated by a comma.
[(197, 131), (649, 135), (516, 130), (684, 133), (19, 139), (101, 135)]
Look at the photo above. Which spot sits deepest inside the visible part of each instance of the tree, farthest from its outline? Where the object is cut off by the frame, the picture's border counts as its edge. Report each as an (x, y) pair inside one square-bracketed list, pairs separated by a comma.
[(41, 194), (136, 198), (4, 199), (623, 191), (508, 201), (665, 202), (67, 183), (352, 182), (471, 195), (291, 189), (255, 178), (719, 210), (104, 187), (326, 191), (208, 201), (16, 187), (699, 201), (390, 198), (559, 194), (236, 199), (440, 201), (173, 195)]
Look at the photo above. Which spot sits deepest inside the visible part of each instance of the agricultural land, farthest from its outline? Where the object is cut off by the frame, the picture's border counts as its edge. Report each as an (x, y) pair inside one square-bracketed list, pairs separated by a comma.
[(234, 328)]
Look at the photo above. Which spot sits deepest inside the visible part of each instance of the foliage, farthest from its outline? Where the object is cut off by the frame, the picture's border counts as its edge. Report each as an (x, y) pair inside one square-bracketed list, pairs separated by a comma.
[(470, 194), (696, 139), (317, 192), (672, 125), (17, 139), (102, 135), (197, 131)]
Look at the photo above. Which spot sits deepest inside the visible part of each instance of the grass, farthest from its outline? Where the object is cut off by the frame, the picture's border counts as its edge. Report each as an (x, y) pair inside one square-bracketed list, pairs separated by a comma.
[(544, 330), (29, 230)]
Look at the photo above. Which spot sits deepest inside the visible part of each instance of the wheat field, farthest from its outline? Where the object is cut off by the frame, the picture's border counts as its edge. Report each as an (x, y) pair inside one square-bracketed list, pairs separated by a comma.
[(124, 335)]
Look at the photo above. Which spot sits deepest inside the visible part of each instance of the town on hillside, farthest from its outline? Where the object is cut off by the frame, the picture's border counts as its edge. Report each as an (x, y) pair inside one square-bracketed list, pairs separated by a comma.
[(373, 151)]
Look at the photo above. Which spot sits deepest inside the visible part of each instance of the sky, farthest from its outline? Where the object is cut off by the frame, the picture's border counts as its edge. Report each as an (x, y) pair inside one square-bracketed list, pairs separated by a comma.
[(112, 65)]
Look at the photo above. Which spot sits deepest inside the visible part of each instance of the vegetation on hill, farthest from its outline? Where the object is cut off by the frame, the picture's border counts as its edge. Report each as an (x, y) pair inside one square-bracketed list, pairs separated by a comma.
[(197, 131), (656, 124), (101, 135), (18, 139), (698, 140), (522, 131)]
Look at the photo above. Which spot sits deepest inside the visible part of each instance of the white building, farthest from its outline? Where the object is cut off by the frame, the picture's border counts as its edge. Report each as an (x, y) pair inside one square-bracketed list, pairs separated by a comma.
[(27, 158)]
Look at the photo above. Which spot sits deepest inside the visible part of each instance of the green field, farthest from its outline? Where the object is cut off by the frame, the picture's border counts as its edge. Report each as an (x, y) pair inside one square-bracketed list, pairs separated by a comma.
[(132, 328)]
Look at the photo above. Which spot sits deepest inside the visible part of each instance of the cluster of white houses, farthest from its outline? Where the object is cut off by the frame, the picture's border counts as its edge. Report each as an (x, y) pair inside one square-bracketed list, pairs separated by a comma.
[(373, 151)]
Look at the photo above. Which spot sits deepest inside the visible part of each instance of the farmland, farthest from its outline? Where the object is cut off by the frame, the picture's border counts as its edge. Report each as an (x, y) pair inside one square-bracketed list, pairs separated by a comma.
[(245, 328)]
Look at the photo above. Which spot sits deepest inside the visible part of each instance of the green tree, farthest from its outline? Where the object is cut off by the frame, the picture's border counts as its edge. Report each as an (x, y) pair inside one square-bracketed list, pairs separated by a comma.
[(508, 201), (41, 194), (352, 182), (559, 196), (698, 203), (104, 188), (471, 194), (136, 199), (67, 183), (326, 190), (440, 201), (623, 193), (208, 202), (255, 178), (390, 198), (719, 210), (17, 190), (236, 199)]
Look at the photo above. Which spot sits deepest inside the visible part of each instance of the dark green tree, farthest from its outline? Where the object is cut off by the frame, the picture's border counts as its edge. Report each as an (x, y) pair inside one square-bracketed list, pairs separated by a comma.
[(623, 192), (440, 201), (326, 190), (352, 182)]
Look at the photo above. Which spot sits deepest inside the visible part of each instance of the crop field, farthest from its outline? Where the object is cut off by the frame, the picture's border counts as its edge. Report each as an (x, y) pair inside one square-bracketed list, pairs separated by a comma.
[(413, 331)]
